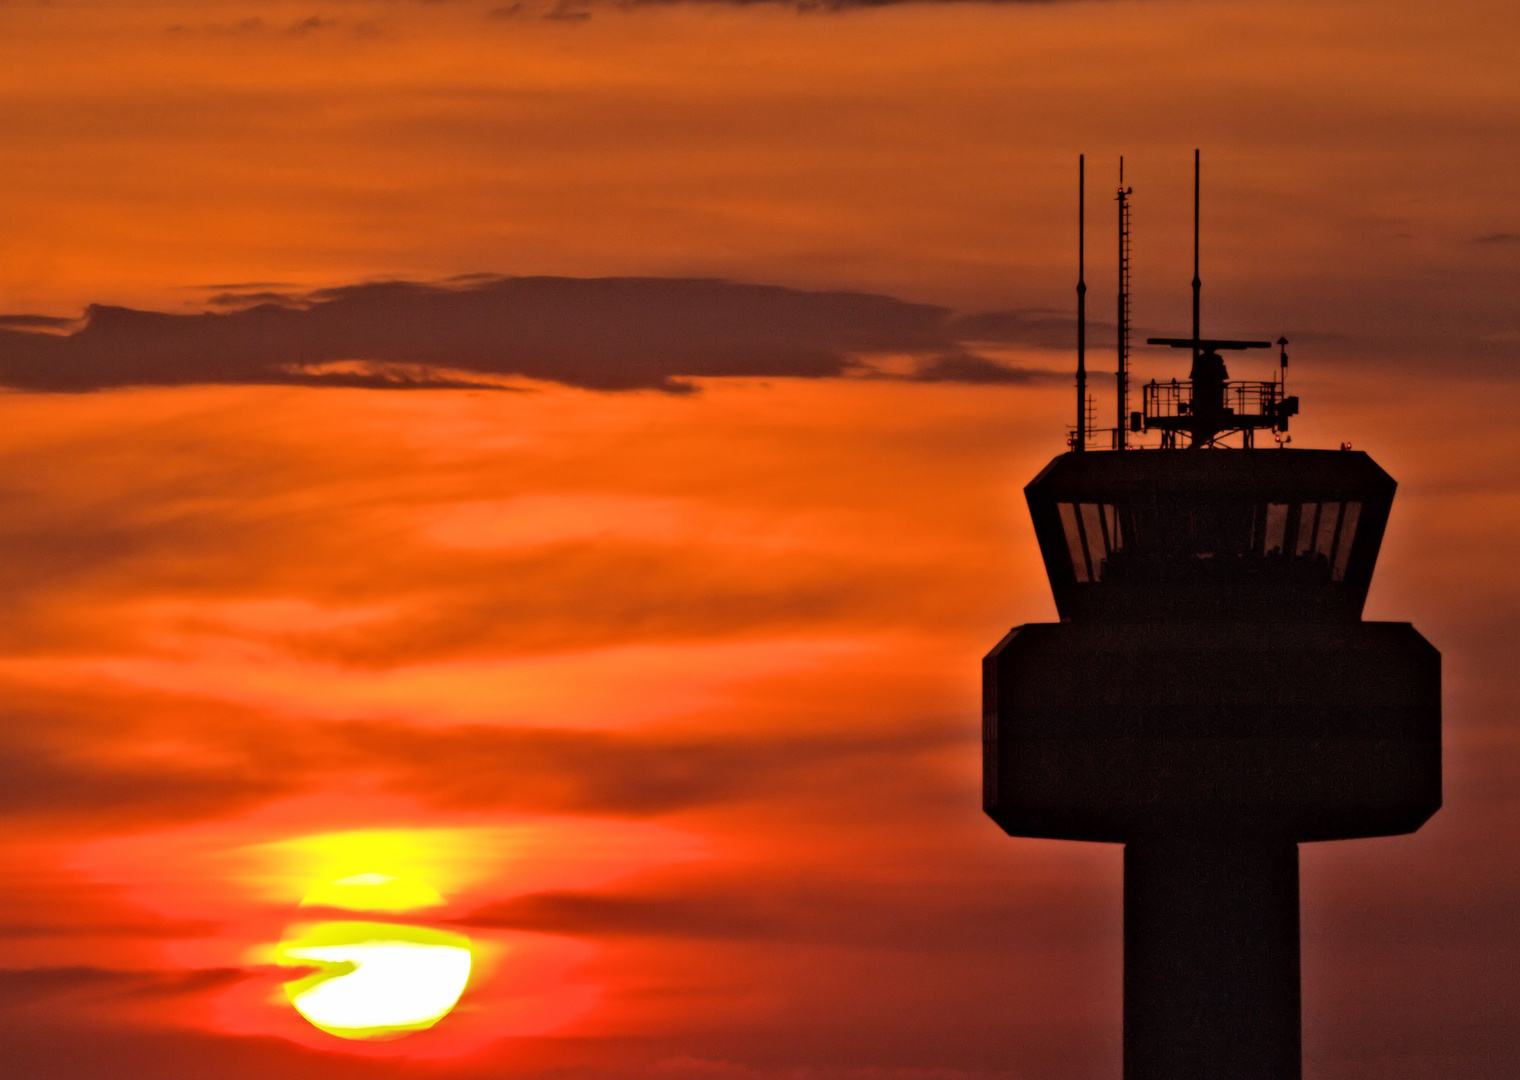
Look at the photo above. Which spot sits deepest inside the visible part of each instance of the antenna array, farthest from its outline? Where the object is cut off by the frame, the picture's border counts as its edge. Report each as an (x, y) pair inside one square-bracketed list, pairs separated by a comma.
[(1080, 439), (1121, 425)]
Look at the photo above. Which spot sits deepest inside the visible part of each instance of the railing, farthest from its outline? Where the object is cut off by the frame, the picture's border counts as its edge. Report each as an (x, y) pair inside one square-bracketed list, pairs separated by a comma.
[(1168, 407), (1246, 400), (1174, 408)]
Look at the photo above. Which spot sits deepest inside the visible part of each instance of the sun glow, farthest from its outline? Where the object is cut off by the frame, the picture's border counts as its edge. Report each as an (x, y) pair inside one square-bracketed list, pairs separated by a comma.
[(375, 980)]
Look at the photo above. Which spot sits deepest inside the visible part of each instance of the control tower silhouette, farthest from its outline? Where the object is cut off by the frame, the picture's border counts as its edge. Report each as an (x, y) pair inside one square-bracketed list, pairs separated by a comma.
[(1211, 697)]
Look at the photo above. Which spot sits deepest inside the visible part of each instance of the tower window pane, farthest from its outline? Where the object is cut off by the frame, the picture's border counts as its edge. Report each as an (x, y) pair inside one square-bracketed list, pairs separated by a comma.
[(1073, 540), (1307, 512), (1097, 550), (1111, 519), (1277, 527), (1348, 537), (1329, 517)]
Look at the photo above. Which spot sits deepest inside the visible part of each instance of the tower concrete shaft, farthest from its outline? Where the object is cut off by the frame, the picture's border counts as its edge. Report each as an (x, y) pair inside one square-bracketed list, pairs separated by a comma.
[(1211, 960)]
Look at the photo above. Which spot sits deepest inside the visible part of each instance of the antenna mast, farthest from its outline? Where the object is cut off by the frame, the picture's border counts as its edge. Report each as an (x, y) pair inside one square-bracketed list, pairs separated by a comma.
[(1121, 428), (1197, 282), (1081, 437)]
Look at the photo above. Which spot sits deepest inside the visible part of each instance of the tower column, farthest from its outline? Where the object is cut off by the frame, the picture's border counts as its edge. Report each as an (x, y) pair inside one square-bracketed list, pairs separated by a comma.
[(1211, 959)]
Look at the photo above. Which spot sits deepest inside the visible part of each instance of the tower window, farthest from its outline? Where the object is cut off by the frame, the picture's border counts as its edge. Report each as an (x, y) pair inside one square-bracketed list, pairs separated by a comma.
[(1092, 535), (1325, 531), (1137, 541)]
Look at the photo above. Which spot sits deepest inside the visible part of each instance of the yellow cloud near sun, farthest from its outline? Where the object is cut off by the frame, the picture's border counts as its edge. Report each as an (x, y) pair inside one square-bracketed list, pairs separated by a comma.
[(376, 869), (374, 892)]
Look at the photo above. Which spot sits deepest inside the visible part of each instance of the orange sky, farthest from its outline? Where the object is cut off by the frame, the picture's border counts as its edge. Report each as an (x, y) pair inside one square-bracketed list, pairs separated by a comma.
[(677, 692)]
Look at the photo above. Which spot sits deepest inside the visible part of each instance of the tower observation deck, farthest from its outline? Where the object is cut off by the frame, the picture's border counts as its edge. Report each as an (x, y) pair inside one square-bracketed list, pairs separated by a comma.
[(1210, 699)]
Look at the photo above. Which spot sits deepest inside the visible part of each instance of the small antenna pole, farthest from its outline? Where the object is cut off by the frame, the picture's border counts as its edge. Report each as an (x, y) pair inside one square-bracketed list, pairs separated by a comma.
[(1081, 439), (1121, 431), (1197, 281)]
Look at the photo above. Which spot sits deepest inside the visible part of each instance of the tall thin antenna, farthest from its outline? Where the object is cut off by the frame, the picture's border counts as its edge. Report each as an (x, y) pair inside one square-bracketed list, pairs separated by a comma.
[(1081, 439), (1121, 430), (1197, 281)]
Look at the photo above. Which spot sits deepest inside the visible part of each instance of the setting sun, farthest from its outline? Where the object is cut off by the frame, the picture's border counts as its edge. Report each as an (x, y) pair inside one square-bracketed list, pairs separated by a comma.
[(375, 980)]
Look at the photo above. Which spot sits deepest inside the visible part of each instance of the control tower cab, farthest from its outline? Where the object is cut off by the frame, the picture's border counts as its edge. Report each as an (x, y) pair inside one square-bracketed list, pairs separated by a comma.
[(1211, 698)]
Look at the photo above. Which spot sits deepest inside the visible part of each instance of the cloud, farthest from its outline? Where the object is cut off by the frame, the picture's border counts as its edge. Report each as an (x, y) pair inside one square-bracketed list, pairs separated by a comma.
[(593, 914), (42, 1045), (597, 333), (31, 986), (576, 9), (59, 763), (144, 928), (36, 322), (628, 774), (129, 761), (896, 915), (969, 368), (249, 299), (1028, 326)]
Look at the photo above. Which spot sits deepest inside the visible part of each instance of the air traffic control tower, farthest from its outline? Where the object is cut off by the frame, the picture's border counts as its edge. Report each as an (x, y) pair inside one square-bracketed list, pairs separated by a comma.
[(1210, 699)]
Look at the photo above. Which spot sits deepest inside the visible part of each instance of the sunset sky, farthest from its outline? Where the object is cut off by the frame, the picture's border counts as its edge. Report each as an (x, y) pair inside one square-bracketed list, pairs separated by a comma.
[(550, 470)]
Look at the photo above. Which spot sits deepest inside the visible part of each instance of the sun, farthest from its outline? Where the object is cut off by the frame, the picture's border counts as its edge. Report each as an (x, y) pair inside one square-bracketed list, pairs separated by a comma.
[(375, 980)]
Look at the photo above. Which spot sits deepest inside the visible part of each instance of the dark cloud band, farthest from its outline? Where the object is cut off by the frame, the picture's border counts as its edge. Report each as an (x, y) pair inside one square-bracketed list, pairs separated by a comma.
[(597, 333)]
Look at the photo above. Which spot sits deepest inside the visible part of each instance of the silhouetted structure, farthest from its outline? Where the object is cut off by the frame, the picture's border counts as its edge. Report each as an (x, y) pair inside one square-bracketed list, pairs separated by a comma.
[(1211, 699)]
